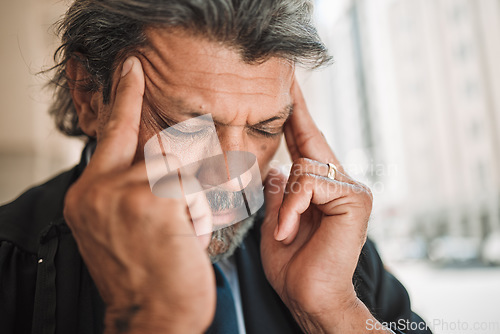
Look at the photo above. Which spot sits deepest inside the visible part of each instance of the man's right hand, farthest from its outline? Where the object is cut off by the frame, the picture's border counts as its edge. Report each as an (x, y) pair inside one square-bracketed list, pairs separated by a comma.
[(141, 250)]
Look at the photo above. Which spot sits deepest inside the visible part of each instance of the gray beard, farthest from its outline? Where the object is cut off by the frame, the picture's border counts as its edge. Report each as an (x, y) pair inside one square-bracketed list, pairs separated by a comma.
[(226, 240)]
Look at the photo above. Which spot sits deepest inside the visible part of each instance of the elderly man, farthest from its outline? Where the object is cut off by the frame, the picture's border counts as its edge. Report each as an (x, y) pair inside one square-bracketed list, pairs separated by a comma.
[(94, 250)]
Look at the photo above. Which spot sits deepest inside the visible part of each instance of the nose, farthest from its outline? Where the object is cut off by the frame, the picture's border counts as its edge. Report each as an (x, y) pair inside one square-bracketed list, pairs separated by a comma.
[(227, 173), (232, 137)]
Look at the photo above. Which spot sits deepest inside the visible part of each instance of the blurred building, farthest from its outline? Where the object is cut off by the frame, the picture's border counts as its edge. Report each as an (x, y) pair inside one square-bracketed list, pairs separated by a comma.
[(353, 103), (448, 75), (413, 109)]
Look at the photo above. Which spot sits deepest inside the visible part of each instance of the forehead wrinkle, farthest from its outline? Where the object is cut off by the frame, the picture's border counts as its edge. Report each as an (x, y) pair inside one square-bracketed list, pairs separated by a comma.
[(214, 70), (238, 76), (183, 40), (156, 79), (152, 111), (220, 91), (174, 105), (145, 54), (165, 57), (189, 87), (166, 61), (157, 75), (153, 75), (180, 106), (153, 50), (151, 84)]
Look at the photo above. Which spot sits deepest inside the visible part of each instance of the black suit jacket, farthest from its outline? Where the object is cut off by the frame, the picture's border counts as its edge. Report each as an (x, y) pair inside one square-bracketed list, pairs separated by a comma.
[(45, 286)]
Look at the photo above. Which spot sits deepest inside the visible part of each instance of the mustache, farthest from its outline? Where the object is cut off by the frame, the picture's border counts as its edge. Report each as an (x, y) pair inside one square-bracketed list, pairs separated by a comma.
[(220, 200), (224, 200)]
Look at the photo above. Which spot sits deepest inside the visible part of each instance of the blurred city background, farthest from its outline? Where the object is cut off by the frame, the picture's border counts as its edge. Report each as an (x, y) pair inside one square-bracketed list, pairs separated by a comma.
[(411, 106)]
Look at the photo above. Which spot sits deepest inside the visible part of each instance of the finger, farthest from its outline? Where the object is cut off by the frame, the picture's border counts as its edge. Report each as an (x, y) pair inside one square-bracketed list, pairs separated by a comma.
[(118, 143), (290, 142), (307, 189), (308, 141), (274, 188), (303, 166), (300, 168)]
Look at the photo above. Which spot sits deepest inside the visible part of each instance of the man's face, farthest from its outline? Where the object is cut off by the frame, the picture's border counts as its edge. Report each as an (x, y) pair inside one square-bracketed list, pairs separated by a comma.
[(187, 76)]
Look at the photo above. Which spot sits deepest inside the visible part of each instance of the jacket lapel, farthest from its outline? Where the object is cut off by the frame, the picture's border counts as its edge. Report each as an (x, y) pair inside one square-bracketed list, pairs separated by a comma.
[(263, 310)]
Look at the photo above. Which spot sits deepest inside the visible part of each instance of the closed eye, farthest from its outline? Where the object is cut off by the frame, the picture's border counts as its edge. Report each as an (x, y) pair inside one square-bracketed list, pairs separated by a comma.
[(184, 134), (269, 133)]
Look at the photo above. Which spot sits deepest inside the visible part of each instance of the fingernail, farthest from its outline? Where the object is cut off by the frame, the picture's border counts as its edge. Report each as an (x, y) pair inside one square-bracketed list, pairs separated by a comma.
[(127, 66), (278, 234)]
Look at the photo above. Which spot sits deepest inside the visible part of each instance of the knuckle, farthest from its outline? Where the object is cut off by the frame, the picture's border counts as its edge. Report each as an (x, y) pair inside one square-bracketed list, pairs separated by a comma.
[(365, 191), (302, 179), (300, 165), (369, 193), (306, 182), (85, 199), (302, 161), (95, 192), (136, 203), (366, 200), (96, 197)]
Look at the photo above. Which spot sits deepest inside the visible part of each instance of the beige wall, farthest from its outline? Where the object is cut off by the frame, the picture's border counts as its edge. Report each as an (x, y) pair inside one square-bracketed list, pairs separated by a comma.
[(30, 148)]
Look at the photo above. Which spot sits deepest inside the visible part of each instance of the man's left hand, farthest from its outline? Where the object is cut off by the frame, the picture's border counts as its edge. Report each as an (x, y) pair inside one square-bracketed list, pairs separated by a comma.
[(314, 230)]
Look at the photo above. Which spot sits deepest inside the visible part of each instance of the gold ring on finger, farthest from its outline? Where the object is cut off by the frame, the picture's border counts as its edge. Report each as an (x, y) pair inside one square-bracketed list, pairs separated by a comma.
[(332, 171)]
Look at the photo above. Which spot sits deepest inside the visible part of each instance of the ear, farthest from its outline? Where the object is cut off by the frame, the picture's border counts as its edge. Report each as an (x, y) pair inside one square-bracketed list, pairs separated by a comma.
[(86, 103)]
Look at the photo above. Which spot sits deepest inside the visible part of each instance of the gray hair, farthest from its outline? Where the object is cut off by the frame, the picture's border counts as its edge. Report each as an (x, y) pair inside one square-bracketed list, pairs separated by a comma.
[(100, 34)]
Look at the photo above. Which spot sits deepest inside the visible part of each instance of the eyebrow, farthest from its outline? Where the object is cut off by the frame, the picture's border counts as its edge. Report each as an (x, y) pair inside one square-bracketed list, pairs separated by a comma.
[(283, 114), (181, 107)]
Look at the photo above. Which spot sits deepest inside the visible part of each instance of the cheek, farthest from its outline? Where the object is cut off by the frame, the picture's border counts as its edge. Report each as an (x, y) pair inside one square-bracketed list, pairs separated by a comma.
[(265, 150)]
